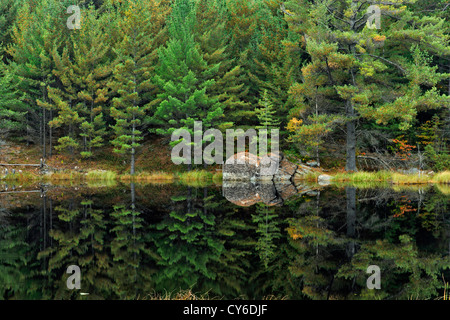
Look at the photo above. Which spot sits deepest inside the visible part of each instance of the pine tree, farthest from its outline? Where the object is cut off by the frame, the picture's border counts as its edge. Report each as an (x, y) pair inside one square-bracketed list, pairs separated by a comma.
[(242, 24), (90, 71), (132, 83), (266, 113), (12, 108), (355, 74), (275, 65), (8, 13), (185, 78), (268, 231), (38, 31), (215, 43)]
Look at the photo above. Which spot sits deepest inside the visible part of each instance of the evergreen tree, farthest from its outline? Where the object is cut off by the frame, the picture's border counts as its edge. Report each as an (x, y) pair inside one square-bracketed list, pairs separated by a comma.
[(242, 24), (93, 69), (82, 75), (215, 43), (348, 58), (266, 113), (185, 78), (38, 31), (12, 107), (8, 12), (275, 65), (132, 84), (268, 231)]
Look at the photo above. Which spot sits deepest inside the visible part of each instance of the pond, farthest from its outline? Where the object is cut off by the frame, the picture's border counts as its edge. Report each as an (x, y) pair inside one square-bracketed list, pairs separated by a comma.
[(135, 241)]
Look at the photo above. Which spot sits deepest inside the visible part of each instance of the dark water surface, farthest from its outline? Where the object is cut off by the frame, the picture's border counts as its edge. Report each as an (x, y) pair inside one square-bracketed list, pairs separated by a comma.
[(132, 241)]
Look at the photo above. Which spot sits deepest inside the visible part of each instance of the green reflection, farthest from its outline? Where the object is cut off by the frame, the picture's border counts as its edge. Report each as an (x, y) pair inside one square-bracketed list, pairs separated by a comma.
[(131, 241)]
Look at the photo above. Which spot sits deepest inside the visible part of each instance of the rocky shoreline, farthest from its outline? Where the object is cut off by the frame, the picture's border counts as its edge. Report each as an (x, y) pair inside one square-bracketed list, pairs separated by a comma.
[(244, 185)]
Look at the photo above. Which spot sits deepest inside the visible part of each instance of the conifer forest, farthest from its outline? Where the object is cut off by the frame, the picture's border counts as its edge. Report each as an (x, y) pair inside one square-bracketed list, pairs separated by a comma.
[(343, 85)]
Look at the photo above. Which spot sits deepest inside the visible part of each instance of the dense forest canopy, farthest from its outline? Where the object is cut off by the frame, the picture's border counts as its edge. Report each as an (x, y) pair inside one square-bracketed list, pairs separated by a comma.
[(337, 87)]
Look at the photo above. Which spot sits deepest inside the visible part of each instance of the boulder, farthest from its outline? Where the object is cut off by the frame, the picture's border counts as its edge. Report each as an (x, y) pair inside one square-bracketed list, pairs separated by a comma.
[(249, 179), (286, 170), (313, 164), (242, 166), (246, 194), (245, 166), (286, 190), (312, 193), (324, 179), (411, 171)]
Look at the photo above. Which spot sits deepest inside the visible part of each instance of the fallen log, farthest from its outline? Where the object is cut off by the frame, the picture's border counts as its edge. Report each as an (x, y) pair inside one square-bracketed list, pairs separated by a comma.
[(30, 191), (23, 165)]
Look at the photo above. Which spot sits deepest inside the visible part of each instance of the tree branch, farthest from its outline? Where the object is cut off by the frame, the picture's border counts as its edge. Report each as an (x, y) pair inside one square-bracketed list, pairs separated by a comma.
[(385, 60)]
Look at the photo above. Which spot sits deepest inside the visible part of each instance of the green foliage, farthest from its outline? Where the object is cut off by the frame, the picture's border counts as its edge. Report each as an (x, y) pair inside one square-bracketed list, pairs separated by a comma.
[(438, 161), (268, 231), (312, 69), (266, 114), (184, 77), (12, 107), (350, 73)]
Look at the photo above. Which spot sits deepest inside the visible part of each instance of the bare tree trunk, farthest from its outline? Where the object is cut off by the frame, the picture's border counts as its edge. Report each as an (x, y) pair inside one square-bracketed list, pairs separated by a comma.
[(44, 142), (351, 219), (351, 139), (350, 110), (318, 139), (50, 135), (133, 151)]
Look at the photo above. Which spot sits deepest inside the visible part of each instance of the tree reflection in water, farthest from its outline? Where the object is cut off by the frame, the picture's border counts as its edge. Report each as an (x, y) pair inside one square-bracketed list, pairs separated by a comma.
[(133, 240)]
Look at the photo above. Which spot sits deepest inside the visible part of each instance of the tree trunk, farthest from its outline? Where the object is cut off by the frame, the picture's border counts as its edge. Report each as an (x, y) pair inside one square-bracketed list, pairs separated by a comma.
[(132, 162), (351, 219), (350, 164), (133, 151), (133, 195), (50, 137), (318, 139), (350, 110), (44, 142)]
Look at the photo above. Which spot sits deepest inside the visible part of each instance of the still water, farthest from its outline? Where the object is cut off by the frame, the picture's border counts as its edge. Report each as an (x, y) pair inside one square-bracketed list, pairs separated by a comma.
[(134, 241)]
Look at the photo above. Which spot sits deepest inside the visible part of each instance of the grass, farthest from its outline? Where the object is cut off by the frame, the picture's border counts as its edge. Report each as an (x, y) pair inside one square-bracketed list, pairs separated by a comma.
[(392, 177), (362, 176), (200, 177), (217, 178), (446, 295), (101, 175), (442, 177), (63, 176), (195, 175), (19, 177), (362, 184), (311, 177), (148, 177), (443, 188), (107, 176), (398, 178)]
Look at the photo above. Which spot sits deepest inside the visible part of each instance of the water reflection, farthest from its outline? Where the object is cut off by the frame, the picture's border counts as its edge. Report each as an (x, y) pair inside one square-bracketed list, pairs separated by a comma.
[(134, 240)]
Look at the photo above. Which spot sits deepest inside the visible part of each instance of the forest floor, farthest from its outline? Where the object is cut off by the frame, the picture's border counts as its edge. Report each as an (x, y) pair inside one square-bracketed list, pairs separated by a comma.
[(153, 163), (154, 155)]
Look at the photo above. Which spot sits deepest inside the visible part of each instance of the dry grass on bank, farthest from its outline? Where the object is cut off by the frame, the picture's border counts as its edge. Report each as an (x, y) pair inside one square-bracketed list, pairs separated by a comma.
[(392, 177)]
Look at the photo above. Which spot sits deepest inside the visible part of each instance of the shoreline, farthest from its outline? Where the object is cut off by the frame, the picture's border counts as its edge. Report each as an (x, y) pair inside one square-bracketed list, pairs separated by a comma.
[(390, 177)]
